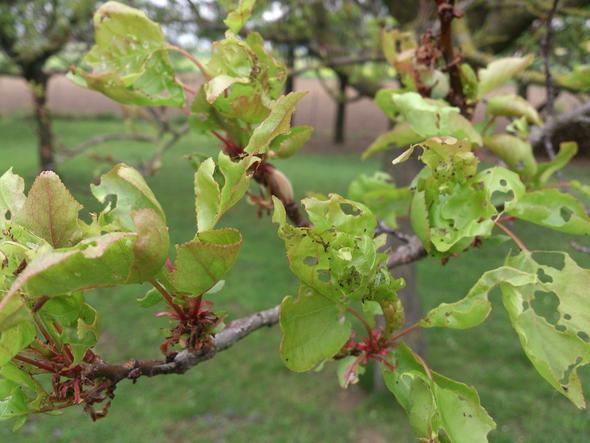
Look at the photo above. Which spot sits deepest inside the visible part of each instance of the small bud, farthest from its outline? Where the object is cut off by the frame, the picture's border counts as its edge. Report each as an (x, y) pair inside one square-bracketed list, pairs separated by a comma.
[(280, 186)]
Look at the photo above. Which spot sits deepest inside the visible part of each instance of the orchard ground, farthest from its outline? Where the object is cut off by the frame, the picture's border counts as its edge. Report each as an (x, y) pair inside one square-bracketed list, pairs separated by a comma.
[(246, 394)]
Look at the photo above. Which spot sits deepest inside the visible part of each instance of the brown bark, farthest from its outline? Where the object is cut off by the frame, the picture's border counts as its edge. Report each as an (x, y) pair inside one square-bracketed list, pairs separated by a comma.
[(340, 121), (44, 132)]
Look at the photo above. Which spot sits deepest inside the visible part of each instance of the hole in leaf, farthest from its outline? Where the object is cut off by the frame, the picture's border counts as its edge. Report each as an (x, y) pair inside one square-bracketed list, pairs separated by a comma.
[(550, 259), (310, 261), (568, 372), (584, 336), (8, 215), (567, 316), (324, 276), (566, 213), (349, 209), (545, 304), (503, 182), (544, 278)]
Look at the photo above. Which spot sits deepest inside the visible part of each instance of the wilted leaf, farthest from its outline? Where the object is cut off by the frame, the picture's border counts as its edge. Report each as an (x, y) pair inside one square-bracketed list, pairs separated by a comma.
[(237, 18)]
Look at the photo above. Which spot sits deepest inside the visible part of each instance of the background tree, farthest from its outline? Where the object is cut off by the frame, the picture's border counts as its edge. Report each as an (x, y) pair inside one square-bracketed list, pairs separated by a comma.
[(30, 34)]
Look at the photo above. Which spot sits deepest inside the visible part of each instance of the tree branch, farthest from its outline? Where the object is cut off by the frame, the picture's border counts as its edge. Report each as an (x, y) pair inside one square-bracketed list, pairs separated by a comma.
[(225, 339), (555, 124), (549, 85)]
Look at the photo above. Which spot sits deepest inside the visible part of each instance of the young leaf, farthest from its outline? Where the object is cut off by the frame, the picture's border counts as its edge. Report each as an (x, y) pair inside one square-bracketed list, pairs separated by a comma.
[(202, 262), (130, 60), (500, 71), (289, 144), (51, 212), (132, 193), (237, 18), (314, 329), (439, 409), (211, 201), (277, 123), (555, 348)]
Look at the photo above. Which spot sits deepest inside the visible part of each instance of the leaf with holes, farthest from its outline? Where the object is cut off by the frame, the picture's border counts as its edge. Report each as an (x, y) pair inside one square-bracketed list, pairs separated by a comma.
[(556, 341), (437, 407), (129, 61), (475, 307), (12, 196), (552, 209)]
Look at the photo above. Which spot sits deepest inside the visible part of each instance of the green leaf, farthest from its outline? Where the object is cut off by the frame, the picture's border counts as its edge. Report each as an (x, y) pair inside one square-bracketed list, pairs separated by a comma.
[(277, 123), (401, 135), (578, 79), (131, 191), (430, 118), (51, 212), (216, 86), (380, 195), (500, 71), (475, 307), (512, 105), (567, 151), (552, 209), (439, 409), (237, 18), (314, 329), (15, 339), (129, 61), (12, 197), (211, 200), (554, 347), (289, 144), (202, 262), (151, 298), (517, 153)]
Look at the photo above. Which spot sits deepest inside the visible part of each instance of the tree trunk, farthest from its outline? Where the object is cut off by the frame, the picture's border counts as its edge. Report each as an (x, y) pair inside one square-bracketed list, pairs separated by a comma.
[(290, 59), (340, 122), (38, 89)]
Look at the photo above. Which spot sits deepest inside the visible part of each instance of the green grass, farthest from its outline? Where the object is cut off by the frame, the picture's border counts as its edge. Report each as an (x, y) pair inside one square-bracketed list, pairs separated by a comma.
[(245, 394)]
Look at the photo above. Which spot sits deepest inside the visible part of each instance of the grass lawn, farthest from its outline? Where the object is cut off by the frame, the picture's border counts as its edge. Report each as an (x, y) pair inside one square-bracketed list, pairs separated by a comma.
[(245, 394)]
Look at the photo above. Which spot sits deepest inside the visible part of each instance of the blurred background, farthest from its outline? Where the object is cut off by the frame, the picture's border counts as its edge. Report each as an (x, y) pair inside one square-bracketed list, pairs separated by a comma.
[(332, 49)]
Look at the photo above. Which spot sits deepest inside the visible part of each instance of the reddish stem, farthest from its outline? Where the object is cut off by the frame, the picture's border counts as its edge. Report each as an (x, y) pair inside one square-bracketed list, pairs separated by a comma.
[(35, 363), (168, 299), (513, 236), (405, 331), (192, 58)]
